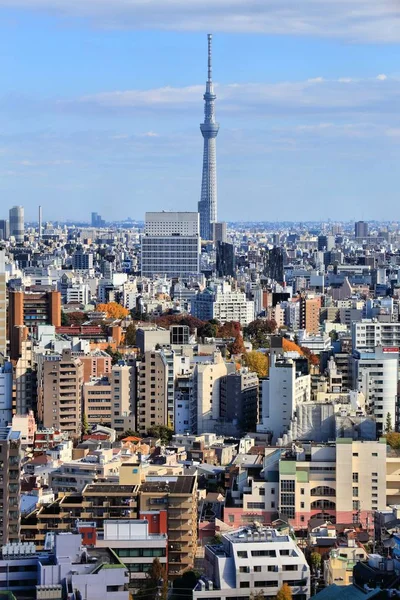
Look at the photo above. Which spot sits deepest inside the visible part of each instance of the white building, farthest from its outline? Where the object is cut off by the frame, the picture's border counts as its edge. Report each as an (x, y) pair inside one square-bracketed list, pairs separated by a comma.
[(375, 374), (171, 244), (78, 293), (369, 333), (251, 560), (232, 305), (6, 383), (281, 392)]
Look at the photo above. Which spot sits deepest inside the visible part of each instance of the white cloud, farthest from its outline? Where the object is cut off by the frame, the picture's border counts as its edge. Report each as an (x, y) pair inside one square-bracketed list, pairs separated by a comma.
[(354, 20), (382, 77)]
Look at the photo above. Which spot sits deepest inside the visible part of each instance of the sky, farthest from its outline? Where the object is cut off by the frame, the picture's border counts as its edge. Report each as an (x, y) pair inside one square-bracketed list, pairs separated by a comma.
[(101, 101)]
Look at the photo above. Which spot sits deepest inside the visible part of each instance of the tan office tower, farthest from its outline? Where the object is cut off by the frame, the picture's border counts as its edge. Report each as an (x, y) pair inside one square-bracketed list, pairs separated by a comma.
[(3, 306), (152, 394), (10, 486), (123, 398), (310, 309), (62, 393)]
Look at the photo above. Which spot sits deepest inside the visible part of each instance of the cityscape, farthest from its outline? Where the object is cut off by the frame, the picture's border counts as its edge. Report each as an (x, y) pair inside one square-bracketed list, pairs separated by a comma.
[(196, 407)]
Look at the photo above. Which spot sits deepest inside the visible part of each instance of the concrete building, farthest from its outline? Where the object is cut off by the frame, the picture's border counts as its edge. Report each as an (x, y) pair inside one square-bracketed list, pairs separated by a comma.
[(17, 227), (3, 305), (6, 399), (219, 232), (4, 229), (253, 560), (62, 393), (239, 399), (309, 314), (123, 397), (10, 485), (155, 390), (97, 401), (367, 334), (136, 545), (361, 230), (82, 261), (148, 337), (177, 495), (171, 244), (375, 374), (232, 305), (281, 392)]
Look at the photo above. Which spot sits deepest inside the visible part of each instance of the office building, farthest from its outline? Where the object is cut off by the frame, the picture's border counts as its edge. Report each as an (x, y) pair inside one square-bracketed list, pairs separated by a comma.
[(361, 230), (219, 232), (96, 220), (209, 129), (253, 560), (17, 227), (171, 245), (10, 485), (28, 310), (225, 259), (239, 399), (4, 229), (326, 242), (62, 393), (82, 261), (375, 374), (274, 264)]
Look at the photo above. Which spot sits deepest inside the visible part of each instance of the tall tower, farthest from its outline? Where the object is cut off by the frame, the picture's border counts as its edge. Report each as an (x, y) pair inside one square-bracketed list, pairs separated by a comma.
[(209, 130), (17, 228)]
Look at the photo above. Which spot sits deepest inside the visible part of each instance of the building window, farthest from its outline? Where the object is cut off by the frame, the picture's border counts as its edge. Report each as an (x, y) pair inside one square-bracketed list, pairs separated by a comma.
[(355, 492), (242, 554), (245, 584), (355, 477), (257, 569)]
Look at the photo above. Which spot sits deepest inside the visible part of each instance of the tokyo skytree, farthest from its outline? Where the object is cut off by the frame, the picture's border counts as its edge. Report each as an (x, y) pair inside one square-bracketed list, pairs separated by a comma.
[(209, 130)]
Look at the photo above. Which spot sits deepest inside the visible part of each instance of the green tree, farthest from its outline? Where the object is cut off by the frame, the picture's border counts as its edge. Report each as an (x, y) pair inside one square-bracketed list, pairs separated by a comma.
[(129, 433), (115, 355), (285, 593), (183, 586), (208, 330), (85, 424), (64, 319), (389, 426), (156, 584), (130, 335), (259, 332), (315, 561), (162, 432)]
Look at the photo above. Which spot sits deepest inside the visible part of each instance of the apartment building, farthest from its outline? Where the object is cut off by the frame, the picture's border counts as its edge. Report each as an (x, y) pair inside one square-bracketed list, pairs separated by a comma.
[(177, 495), (10, 485), (232, 305), (62, 393), (367, 334), (253, 560), (75, 475), (152, 391), (6, 400), (95, 364), (375, 374), (3, 305), (239, 399), (97, 401), (28, 310), (309, 314), (123, 397)]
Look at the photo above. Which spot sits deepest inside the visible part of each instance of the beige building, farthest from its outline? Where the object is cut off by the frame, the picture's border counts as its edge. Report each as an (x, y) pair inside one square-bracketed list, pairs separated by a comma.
[(10, 485), (62, 393), (338, 568), (152, 391), (3, 305), (123, 398), (97, 401), (177, 495)]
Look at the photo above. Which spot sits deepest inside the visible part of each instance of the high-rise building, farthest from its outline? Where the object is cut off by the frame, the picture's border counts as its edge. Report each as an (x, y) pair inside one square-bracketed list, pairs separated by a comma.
[(62, 393), (4, 229), (82, 261), (6, 387), (97, 401), (152, 382), (361, 229), (171, 244), (209, 130), (123, 383), (225, 259), (10, 485), (3, 305), (239, 399), (219, 232), (309, 314), (274, 264), (17, 227)]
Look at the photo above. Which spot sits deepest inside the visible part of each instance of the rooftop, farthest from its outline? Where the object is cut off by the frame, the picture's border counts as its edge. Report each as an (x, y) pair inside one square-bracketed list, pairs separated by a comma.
[(179, 485)]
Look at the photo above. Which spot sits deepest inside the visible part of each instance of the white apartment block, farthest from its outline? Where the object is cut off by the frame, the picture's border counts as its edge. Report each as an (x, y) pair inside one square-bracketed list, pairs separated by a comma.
[(78, 293), (171, 244), (233, 306), (375, 374), (281, 393), (253, 560), (369, 333)]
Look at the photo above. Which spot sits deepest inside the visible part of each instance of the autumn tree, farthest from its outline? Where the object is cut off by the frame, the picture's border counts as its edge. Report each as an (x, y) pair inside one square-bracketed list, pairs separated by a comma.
[(237, 347), (285, 592), (156, 583), (259, 332), (77, 318), (257, 595), (256, 362), (393, 440), (229, 329), (130, 335), (315, 561), (113, 310)]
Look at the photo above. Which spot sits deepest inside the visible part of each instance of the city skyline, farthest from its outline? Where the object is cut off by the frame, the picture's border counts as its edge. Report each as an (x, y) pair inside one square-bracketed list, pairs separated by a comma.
[(310, 129)]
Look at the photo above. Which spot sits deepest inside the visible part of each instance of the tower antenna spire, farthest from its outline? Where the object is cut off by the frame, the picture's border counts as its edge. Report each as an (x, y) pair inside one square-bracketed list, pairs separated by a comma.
[(209, 37)]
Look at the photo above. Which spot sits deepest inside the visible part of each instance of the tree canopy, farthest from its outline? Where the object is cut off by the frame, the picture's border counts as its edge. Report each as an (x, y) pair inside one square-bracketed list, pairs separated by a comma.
[(285, 593), (113, 310), (257, 362), (130, 335)]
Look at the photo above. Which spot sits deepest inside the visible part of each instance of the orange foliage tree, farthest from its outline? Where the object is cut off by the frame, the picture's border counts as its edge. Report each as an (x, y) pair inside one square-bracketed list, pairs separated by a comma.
[(113, 310), (256, 362), (237, 347)]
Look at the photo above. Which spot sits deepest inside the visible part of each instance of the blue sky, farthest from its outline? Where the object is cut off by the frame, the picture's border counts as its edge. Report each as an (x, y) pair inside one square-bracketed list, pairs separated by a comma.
[(101, 100)]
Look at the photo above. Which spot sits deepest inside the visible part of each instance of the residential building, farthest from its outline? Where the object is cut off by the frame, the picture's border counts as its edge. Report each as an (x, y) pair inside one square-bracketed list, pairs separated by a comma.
[(309, 314), (123, 397), (253, 560), (375, 374), (171, 244), (232, 305), (177, 495), (82, 261), (239, 399), (3, 306), (62, 393), (6, 389), (10, 485), (97, 401), (367, 334)]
